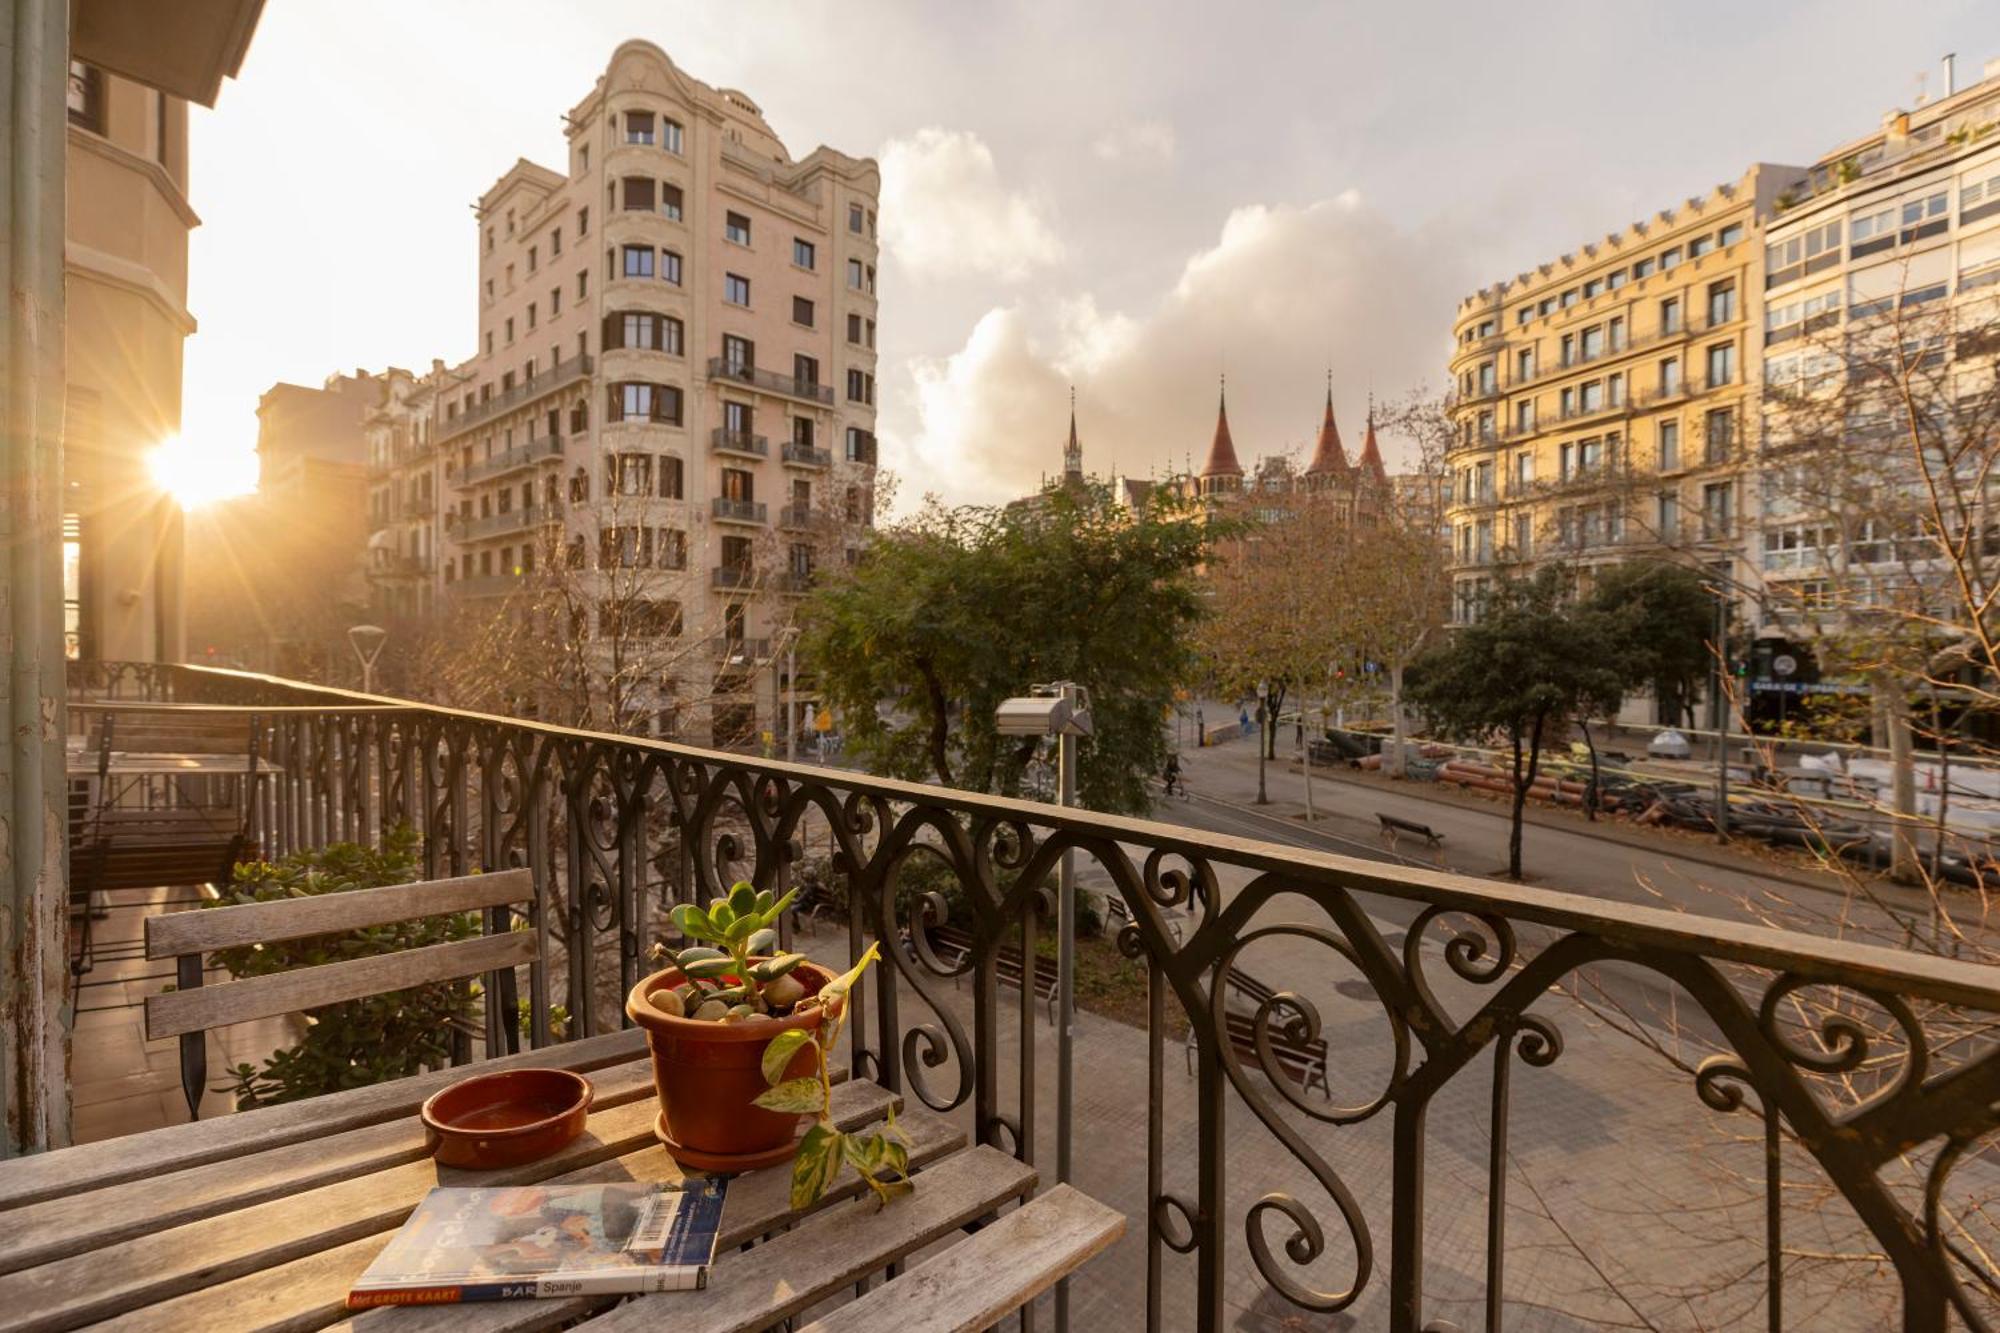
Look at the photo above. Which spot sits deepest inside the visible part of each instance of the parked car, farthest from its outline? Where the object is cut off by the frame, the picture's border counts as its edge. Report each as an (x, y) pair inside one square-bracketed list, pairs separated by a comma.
[(1669, 744)]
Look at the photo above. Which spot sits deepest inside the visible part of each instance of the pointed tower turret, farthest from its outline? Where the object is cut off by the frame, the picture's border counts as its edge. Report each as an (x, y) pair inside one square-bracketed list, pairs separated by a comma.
[(1371, 454), (1073, 451), (1221, 472), (1329, 461)]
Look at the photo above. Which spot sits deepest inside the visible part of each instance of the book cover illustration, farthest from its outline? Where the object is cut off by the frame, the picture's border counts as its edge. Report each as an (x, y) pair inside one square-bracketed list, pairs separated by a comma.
[(522, 1242)]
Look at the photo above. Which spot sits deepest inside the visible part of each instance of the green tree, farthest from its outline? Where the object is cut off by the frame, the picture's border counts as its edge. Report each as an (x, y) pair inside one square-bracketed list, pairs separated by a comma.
[(1666, 615), (1534, 662), (952, 611)]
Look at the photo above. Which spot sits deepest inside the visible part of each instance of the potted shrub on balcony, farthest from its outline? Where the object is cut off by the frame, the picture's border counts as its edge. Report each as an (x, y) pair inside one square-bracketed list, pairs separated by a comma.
[(739, 1036)]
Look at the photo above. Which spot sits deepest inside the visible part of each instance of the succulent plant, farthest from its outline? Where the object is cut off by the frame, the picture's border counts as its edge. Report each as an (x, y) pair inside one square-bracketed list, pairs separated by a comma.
[(733, 973), (882, 1160)]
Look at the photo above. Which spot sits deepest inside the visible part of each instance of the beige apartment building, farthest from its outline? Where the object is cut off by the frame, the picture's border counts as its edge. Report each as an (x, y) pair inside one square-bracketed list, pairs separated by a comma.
[(1895, 236), (405, 484), (674, 389), (125, 262), (1600, 400)]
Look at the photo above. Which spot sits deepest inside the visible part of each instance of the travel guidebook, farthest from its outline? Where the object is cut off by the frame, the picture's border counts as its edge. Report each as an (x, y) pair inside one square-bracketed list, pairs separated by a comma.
[(531, 1241)]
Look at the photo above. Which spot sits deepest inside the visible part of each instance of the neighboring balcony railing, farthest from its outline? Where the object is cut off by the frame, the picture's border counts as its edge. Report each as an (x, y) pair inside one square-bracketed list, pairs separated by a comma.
[(500, 524), (795, 516), (733, 576), (812, 391), (484, 585), (1845, 1090), (806, 455), (513, 460), (737, 511), (555, 377), (739, 442)]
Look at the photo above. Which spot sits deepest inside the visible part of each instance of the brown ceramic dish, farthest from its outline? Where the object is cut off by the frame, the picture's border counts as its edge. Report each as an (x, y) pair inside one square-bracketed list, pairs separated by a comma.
[(507, 1117)]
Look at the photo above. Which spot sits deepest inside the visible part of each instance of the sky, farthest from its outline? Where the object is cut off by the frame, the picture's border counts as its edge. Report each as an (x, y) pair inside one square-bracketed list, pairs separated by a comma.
[(1131, 198)]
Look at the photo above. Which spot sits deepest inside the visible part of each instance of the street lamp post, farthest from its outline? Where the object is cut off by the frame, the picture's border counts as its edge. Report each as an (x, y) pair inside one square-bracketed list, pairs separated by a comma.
[(367, 641), (1061, 710), (1263, 695)]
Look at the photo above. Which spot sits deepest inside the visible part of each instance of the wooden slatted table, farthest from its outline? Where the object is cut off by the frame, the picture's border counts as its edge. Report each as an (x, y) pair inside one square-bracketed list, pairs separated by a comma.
[(262, 1220)]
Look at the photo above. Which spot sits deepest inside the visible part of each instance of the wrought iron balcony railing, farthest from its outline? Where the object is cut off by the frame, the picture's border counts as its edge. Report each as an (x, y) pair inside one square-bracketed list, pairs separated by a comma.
[(806, 455), (555, 377), (736, 372), (1847, 1089), (738, 511), (513, 460), (739, 442)]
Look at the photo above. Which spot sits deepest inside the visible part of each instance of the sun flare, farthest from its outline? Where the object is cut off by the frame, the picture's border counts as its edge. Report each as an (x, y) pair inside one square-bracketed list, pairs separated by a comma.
[(196, 476)]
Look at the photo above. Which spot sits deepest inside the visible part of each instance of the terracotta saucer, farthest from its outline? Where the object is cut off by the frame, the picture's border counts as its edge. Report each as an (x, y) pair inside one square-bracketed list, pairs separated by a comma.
[(725, 1163)]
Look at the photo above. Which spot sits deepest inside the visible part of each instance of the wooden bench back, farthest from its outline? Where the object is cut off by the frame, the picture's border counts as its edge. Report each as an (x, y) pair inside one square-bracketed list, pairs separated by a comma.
[(147, 732), (190, 934)]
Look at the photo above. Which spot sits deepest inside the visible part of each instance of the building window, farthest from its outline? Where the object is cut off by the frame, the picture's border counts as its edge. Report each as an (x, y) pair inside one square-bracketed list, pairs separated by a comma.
[(634, 474), (854, 329), (854, 218), (860, 445), (673, 484), (1669, 517), (673, 547), (85, 98), (860, 387), (1700, 246), (805, 370), (670, 201), (739, 354), (803, 253), (1524, 417), (736, 227), (1719, 434), (735, 289), (1721, 302), (639, 193), (638, 261), (802, 432), (1670, 259), (1730, 235), (639, 127), (635, 401), (1642, 269), (671, 135), (854, 274), (1670, 445), (802, 311), (531, 323), (583, 222), (1721, 364), (1670, 315), (1717, 509), (510, 330), (1670, 376)]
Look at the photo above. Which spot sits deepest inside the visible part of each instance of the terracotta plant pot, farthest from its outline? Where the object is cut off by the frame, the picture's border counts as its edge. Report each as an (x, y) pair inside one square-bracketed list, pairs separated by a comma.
[(507, 1117), (709, 1076)]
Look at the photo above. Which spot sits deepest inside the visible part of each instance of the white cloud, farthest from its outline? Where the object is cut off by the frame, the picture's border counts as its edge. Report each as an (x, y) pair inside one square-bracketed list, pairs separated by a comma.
[(945, 211), (1149, 142), (1283, 293)]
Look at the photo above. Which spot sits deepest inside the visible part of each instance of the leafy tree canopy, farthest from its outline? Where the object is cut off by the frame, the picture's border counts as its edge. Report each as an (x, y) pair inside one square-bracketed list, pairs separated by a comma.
[(957, 609), (1664, 615)]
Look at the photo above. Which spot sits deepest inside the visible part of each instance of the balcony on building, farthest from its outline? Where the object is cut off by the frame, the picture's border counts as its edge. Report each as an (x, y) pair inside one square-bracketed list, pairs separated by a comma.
[(795, 517), (563, 373), (510, 461), (483, 585), (733, 577), (501, 523), (726, 510), (806, 455), (741, 443), (768, 381)]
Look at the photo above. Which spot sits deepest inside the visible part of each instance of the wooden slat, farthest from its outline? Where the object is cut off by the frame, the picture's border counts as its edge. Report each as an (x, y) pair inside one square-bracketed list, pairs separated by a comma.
[(74, 1224), (310, 1292), (793, 1272), (988, 1275), (326, 913), (97, 1166), (88, 1287), (206, 1007)]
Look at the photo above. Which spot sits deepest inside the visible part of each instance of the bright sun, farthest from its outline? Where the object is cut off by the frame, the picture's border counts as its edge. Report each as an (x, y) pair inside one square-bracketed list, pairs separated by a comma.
[(196, 477)]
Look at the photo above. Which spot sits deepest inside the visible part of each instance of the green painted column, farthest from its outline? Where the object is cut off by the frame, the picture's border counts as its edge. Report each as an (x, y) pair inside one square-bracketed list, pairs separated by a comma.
[(35, 1002)]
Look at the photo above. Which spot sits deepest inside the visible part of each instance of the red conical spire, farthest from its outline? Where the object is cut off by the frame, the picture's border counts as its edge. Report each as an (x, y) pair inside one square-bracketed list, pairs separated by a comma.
[(1222, 450), (1328, 456), (1371, 454)]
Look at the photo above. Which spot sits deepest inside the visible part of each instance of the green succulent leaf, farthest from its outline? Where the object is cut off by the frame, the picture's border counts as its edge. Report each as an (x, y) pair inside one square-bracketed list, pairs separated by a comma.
[(692, 922), (696, 954), (708, 969), (741, 929), (778, 1055), (719, 917), (773, 968), (726, 994), (763, 902), (763, 942), (836, 990), (777, 909), (802, 1096), (816, 1165), (742, 899)]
